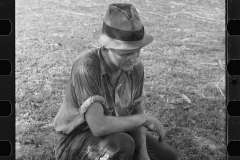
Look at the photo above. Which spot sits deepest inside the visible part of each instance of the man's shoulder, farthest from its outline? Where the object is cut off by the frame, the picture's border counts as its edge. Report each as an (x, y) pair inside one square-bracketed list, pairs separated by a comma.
[(88, 60)]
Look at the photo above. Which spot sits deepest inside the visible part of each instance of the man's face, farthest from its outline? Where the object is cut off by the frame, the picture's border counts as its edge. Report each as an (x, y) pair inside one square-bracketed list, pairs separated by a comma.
[(124, 59)]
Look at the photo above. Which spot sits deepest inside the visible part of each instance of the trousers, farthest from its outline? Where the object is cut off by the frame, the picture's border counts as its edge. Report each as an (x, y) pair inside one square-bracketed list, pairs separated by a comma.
[(119, 146)]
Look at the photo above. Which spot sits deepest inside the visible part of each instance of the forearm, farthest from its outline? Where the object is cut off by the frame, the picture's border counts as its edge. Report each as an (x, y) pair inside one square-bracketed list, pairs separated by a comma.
[(112, 124), (139, 136)]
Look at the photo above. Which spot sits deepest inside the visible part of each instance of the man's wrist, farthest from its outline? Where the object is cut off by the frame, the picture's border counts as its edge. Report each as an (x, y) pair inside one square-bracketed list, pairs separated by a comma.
[(145, 119), (142, 148), (143, 151), (139, 136)]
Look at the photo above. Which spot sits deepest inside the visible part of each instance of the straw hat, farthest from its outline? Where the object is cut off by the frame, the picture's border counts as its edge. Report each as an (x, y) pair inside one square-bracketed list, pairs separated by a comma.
[(122, 28)]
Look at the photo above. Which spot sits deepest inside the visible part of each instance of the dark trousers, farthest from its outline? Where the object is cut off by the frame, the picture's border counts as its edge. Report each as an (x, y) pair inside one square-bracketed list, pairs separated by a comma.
[(118, 146)]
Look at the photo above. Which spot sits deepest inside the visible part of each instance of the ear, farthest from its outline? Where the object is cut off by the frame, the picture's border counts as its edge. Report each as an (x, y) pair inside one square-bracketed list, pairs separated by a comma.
[(105, 49)]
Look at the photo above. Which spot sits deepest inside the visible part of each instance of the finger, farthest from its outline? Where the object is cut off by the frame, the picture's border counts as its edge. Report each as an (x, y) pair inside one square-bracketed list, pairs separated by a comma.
[(160, 133), (163, 133), (160, 138)]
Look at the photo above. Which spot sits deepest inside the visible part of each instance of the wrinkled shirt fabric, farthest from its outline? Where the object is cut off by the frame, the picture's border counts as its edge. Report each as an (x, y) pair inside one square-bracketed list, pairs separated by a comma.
[(90, 82)]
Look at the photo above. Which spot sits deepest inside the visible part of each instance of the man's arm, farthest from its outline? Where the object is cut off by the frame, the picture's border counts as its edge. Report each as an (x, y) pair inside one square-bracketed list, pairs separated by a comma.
[(139, 134), (102, 125)]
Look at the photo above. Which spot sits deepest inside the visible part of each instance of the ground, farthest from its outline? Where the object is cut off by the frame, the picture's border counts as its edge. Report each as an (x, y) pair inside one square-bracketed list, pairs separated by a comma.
[(184, 69)]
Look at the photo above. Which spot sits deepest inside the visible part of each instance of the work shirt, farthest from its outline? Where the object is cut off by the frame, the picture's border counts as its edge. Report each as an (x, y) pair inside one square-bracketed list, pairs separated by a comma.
[(90, 82)]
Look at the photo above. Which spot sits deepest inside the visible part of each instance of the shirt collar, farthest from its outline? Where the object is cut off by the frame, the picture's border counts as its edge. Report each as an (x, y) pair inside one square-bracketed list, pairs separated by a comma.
[(103, 65)]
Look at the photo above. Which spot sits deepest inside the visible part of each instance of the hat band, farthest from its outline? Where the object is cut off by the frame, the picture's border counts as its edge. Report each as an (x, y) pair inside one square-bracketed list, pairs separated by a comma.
[(123, 35)]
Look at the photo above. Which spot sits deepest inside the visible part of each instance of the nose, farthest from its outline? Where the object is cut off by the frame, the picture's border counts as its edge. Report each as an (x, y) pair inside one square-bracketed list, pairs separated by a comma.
[(134, 59)]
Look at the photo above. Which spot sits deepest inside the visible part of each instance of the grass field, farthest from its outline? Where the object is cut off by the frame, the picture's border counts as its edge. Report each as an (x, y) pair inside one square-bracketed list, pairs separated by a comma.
[(184, 69)]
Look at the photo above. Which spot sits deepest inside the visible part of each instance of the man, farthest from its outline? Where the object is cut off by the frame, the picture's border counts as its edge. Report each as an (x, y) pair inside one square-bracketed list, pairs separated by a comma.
[(101, 116)]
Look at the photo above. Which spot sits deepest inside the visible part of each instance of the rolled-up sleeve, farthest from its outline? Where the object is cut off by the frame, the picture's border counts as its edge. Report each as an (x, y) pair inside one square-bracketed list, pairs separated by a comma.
[(87, 90)]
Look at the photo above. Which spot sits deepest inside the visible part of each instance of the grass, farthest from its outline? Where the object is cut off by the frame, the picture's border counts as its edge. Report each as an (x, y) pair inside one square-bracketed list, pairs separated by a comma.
[(186, 59)]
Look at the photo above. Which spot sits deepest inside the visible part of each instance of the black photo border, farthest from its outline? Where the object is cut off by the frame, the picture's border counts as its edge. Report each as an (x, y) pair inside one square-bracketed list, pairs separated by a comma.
[(232, 80), (7, 82)]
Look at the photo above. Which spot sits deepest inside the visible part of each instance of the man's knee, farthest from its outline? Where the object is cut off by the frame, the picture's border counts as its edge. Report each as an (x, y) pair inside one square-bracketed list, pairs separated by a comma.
[(122, 141), (173, 154), (119, 144), (115, 146), (168, 152)]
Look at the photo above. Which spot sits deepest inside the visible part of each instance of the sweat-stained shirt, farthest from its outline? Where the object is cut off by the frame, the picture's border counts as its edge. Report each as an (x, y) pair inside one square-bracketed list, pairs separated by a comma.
[(90, 82)]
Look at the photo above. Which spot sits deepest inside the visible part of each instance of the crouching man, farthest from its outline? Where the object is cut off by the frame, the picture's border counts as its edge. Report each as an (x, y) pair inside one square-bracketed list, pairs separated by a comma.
[(101, 116)]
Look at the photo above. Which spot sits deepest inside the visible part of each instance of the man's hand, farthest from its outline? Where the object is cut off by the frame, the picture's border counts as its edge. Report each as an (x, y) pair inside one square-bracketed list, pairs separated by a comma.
[(153, 124)]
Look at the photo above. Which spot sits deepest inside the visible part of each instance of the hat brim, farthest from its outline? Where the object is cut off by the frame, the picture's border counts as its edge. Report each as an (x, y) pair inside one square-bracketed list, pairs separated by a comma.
[(108, 42)]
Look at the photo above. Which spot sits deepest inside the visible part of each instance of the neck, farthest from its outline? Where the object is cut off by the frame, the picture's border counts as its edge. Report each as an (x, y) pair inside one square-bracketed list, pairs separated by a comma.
[(112, 67)]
